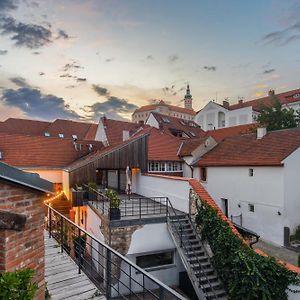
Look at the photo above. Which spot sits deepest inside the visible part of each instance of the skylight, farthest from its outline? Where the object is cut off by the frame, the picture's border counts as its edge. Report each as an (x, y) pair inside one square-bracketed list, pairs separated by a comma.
[(74, 136), (165, 120), (192, 134), (47, 134), (61, 135)]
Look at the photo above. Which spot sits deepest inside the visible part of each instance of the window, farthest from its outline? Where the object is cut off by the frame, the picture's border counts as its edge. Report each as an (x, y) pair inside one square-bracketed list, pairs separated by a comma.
[(251, 207), (162, 166), (74, 136), (61, 135), (165, 120), (155, 260), (251, 172), (47, 133), (192, 134), (296, 96), (203, 174)]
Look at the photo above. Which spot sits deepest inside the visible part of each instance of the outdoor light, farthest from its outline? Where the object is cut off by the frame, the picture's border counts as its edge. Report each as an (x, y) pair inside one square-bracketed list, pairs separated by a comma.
[(279, 213)]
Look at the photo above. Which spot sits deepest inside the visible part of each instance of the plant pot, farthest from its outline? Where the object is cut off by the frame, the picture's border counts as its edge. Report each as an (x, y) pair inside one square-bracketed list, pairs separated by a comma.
[(115, 214)]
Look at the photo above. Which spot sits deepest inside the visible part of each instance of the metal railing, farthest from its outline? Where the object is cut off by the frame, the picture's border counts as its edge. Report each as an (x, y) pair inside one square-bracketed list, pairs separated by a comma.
[(237, 219), (111, 272), (187, 245), (135, 207)]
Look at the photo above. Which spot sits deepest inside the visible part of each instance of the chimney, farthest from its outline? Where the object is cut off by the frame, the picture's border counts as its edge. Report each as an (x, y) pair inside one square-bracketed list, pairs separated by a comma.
[(141, 122), (126, 135), (271, 93), (261, 132), (241, 101), (225, 104)]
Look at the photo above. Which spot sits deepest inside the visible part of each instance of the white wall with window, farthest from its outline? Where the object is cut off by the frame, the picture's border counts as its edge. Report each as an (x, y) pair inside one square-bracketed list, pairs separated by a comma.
[(255, 192), (164, 166)]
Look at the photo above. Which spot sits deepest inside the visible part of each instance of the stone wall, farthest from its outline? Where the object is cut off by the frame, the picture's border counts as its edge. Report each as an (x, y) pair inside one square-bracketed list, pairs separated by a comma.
[(25, 248)]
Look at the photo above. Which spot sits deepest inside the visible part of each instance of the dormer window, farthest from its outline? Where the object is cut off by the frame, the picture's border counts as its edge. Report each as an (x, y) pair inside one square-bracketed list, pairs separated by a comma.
[(165, 120), (61, 135), (192, 134), (47, 134), (296, 96), (74, 136)]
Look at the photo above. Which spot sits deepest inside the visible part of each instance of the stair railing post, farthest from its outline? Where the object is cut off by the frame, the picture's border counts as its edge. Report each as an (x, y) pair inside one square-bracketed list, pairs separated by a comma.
[(61, 234), (49, 221), (181, 229), (108, 274), (140, 208), (79, 251)]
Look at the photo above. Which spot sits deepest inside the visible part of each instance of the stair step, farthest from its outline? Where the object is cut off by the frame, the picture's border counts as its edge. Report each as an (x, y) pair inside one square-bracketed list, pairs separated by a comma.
[(204, 265), (210, 278), (215, 295), (207, 287), (194, 253)]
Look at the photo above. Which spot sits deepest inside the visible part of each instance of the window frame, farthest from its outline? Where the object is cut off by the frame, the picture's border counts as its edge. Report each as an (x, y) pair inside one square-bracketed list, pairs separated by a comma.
[(251, 207), (203, 174)]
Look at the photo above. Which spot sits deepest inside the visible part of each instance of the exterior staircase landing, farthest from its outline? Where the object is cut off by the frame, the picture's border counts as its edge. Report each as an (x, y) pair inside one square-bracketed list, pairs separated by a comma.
[(62, 278), (198, 265)]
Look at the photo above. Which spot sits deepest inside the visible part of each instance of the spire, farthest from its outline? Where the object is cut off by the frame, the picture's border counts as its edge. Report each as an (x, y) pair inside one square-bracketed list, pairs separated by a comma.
[(188, 99)]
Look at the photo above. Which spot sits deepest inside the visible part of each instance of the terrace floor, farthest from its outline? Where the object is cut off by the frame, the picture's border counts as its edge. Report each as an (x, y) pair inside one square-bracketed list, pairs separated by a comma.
[(62, 278)]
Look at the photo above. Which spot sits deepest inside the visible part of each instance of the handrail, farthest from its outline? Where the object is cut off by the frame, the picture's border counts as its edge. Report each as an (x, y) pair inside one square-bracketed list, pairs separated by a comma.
[(164, 290), (191, 245)]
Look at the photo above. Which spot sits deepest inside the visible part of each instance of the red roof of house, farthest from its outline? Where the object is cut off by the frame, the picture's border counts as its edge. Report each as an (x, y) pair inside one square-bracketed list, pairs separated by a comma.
[(114, 130), (188, 146), (38, 151), (222, 133), (169, 123), (163, 146), (84, 131), (162, 103), (284, 98), (247, 150)]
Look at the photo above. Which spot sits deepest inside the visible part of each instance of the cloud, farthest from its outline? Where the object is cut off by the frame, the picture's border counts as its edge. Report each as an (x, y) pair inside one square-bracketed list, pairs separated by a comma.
[(72, 66), (101, 91), (41, 73), (33, 103), (67, 75), (210, 68), (36, 53), (283, 37), (81, 79), (19, 81), (31, 36), (3, 52), (109, 59), (268, 71), (6, 5), (173, 58), (112, 107), (149, 57), (62, 35)]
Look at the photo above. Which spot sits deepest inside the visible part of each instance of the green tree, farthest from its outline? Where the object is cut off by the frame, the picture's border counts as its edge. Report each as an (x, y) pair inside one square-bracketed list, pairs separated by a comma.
[(274, 117)]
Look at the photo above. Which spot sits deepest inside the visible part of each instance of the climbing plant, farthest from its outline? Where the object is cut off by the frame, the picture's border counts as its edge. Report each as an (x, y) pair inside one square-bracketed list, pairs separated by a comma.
[(17, 285), (245, 274)]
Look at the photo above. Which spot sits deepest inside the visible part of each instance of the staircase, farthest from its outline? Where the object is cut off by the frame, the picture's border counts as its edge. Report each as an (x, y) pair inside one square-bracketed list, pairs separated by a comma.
[(197, 263)]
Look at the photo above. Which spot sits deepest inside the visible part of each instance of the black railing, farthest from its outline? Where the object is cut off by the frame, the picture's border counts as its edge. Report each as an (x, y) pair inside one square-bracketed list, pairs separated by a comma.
[(113, 274), (237, 219), (177, 223), (134, 207)]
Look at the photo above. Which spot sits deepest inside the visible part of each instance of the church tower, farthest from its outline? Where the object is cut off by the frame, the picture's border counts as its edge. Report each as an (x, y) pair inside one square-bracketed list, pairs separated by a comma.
[(188, 99)]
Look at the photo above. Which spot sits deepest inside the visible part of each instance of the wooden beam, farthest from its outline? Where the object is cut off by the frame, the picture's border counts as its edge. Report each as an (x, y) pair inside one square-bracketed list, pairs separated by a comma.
[(9, 220)]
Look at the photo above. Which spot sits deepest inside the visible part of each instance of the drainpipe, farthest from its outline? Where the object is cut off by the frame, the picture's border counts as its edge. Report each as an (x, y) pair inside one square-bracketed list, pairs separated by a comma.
[(192, 170)]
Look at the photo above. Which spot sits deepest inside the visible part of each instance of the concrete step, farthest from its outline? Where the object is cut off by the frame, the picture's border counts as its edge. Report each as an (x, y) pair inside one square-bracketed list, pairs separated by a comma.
[(219, 294)]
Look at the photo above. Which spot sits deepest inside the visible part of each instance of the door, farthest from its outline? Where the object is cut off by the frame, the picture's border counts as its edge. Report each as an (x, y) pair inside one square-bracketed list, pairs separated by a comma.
[(225, 206)]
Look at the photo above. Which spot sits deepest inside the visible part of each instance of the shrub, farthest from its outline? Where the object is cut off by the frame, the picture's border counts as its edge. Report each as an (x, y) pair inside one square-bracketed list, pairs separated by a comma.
[(114, 198), (17, 285), (92, 185), (299, 260), (245, 274), (296, 235)]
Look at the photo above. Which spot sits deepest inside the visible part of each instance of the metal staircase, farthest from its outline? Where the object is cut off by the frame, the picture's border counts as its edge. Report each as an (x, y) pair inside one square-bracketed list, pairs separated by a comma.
[(194, 256)]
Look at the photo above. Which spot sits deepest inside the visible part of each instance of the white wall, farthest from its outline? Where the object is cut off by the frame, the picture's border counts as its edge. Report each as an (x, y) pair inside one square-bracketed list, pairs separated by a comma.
[(54, 176), (66, 183), (161, 186), (152, 121), (264, 190), (101, 134), (149, 239), (291, 213)]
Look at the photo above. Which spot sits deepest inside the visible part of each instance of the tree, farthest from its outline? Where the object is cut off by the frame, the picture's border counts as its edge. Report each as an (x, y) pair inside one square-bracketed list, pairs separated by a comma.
[(274, 117)]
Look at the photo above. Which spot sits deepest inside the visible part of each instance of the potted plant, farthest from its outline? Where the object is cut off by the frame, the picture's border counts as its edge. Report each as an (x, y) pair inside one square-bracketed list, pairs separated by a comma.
[(92, 186), (115, 202)]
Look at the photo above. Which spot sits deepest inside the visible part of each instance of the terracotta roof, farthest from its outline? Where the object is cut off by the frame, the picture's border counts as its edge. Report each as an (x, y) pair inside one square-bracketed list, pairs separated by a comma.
[(247, 150), (23, 126), (114, 130), (38, 151), (83, 130), (191, 128), (188, 146), (284, 98), (162, 103), (163, 146), (222, 133)]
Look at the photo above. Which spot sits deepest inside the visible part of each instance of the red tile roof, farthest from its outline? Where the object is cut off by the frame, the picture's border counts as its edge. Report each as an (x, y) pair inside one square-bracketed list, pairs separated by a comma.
[(247, 150), (38, 151), (188, 146), (222, 133), (114, 130), (86, 131), (163, 146), (162, 103), (284, 98), (169, 123)]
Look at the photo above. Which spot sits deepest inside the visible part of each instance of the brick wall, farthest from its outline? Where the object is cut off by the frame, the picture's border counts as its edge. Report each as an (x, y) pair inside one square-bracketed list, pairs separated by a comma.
[(23, 249)]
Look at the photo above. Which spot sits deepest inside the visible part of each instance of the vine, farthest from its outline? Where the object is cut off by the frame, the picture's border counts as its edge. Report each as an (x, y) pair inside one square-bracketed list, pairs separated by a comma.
[(245, 274)]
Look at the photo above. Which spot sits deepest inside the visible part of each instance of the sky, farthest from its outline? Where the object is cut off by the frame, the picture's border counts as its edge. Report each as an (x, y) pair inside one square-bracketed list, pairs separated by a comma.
[(81, 59)]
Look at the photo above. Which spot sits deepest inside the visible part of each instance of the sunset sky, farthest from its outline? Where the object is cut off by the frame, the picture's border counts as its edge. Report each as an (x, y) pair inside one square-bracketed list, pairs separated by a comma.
[(79, 59)]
